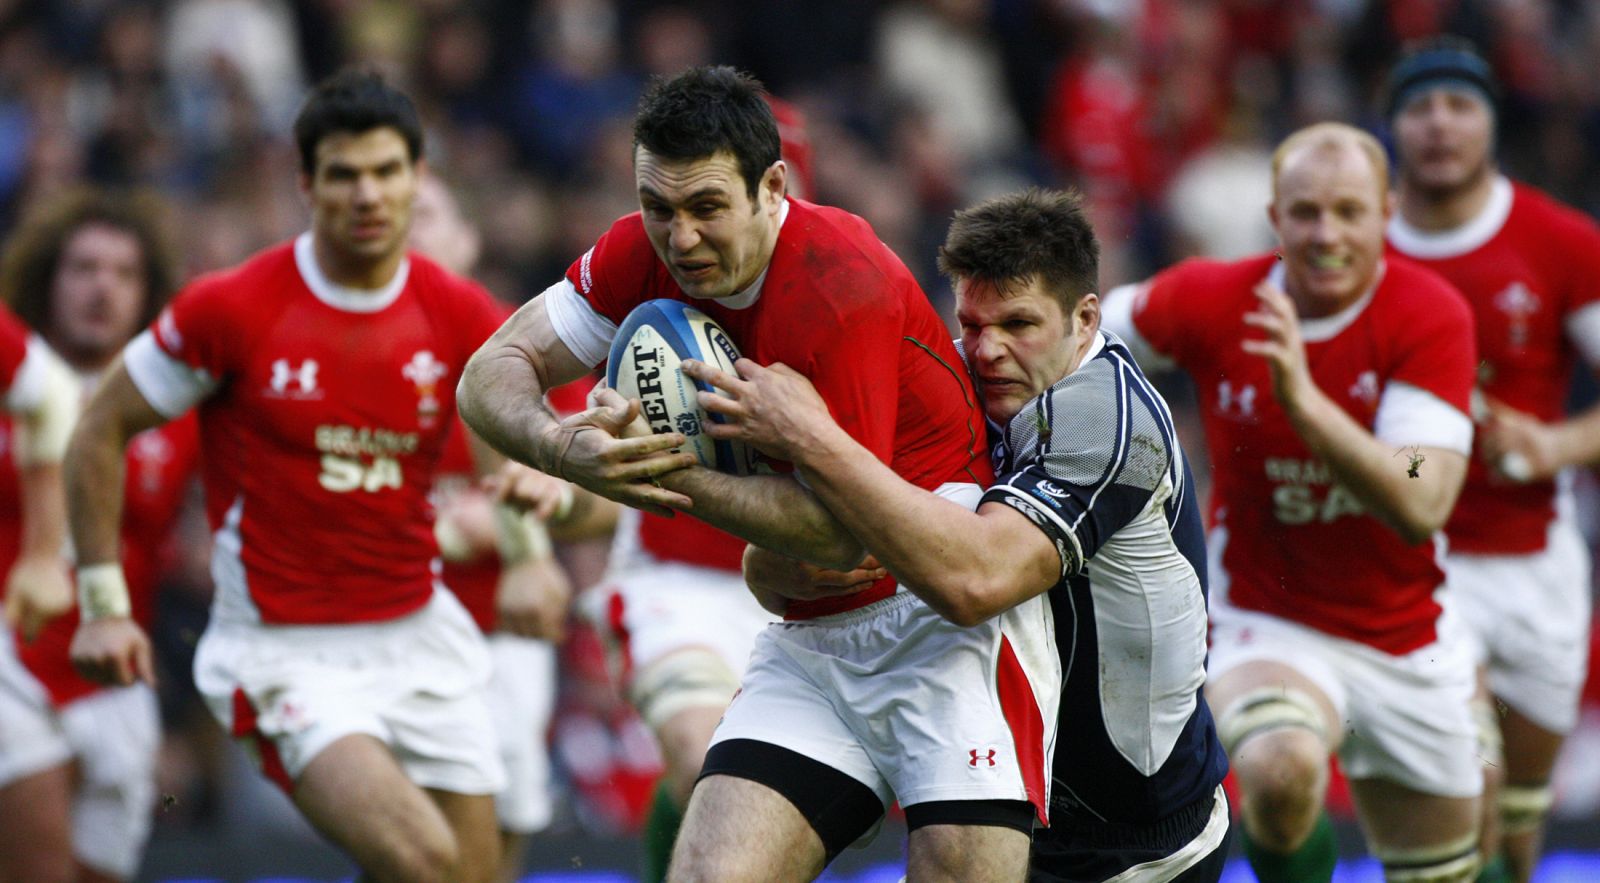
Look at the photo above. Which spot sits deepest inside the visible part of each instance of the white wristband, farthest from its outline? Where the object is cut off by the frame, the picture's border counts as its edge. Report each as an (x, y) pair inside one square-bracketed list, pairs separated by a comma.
[(102, 592)]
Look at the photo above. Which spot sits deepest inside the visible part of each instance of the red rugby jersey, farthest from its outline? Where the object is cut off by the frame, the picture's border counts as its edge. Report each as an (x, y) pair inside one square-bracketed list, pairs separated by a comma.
[(836, 305), (323, 412), (1298, 545), (1527, 265)]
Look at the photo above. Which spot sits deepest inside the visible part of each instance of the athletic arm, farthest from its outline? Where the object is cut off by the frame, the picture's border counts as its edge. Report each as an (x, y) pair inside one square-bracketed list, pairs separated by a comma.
[(1412, 490), (108, 647), (37, 588), (501, 398), (968, 566)]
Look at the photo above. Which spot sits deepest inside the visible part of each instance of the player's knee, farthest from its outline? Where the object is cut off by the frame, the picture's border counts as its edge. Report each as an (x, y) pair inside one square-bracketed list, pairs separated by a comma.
[(1453, 862), (1523, 808)]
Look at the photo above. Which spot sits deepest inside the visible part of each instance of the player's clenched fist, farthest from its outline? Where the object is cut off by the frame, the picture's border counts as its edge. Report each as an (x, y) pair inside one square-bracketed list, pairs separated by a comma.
[(112, 651), (774, 408)]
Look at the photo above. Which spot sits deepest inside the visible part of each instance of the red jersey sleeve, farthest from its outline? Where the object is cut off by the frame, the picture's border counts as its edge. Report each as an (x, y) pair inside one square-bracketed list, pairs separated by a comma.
[(1160, 310), (1577, 238), (613, 275), (13, 346), (1439, 350), (197, 328)]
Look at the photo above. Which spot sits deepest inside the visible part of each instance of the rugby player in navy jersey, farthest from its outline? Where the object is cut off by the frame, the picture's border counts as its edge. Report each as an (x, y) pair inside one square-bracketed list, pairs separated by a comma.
[(1093, 504)]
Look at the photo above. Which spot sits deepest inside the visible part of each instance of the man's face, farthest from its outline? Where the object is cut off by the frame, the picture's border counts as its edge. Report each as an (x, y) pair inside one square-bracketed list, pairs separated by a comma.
[(714, 239), (1018, 342), (361, 194), (98, 292), (1443, 138), (1329, 216)]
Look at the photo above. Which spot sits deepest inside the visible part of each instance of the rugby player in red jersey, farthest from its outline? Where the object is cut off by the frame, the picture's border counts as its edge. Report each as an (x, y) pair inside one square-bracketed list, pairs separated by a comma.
[(88, 270), (806, 759), (1334, 387), (1519, 569), (324, 373)]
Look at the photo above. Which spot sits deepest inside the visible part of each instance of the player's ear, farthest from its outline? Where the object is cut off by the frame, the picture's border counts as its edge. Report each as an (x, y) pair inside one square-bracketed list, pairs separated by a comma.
[(1088, 313), (775, 183)]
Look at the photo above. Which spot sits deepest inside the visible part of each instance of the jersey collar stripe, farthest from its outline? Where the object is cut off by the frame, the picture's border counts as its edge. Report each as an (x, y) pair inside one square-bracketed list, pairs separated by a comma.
[(350, 300), (1437, 245)]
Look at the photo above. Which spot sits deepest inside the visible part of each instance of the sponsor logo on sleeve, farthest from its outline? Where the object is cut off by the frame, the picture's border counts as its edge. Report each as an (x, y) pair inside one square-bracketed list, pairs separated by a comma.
[(1050, 492), (585, 277)]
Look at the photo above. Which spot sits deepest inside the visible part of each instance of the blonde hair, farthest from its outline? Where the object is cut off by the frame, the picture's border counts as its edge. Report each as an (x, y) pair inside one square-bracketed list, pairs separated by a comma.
[(1332, 136)]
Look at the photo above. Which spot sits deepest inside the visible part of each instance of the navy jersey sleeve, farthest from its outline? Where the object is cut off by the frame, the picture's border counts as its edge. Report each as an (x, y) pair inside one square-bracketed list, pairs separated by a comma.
[(1084, 460)]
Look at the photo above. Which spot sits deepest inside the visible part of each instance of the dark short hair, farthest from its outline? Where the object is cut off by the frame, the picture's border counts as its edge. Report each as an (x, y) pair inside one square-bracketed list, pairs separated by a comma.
[(1011, 239), (706, 110), (33, 254), (1444, 60), (354, 100)]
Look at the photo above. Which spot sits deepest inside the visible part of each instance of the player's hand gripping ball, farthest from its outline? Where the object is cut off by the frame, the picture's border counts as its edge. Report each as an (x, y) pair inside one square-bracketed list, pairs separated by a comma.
[(645, 364)]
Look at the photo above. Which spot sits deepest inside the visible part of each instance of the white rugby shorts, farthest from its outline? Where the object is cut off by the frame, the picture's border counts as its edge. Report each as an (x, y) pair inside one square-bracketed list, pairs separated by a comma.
[(654, 609), (522, 696), (1406, 718), (907, 703), (1527, 620), (418, 684), (112, 735)]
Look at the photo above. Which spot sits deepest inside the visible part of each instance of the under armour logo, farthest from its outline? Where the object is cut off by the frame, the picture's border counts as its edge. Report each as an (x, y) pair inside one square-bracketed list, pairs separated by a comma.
[(1239, 402), (977, 757), (303, 377)]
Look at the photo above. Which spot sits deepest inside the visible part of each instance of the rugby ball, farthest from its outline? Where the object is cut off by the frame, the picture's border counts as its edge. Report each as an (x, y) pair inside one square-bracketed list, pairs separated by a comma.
[(645, 364)]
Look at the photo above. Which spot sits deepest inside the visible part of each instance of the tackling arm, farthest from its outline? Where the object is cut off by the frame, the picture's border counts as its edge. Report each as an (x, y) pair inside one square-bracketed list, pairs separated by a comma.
[(966, 565)]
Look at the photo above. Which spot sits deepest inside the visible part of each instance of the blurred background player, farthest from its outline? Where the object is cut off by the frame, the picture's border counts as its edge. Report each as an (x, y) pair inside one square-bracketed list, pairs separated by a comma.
[(1334, 385), (517, 592), (88, 270), (1519, 568), (324, 371), (1096, 505)]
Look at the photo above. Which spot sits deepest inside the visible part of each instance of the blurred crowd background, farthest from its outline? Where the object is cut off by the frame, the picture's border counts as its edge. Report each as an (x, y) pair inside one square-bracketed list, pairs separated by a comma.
[(1163, 112)]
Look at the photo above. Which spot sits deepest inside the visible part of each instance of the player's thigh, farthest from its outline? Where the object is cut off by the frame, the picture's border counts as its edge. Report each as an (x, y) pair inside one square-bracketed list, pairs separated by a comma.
[(36, 836), (1267, 674), (478, 843), (1530, 749), (962, 853), (1399, 818), (355, 793), (736, 829)]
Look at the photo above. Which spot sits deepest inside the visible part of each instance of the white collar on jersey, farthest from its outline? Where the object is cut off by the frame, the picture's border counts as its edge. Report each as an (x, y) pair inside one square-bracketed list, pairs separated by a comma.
[(748, 297), (340, 297), (1328, 327), (1440, 244)]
